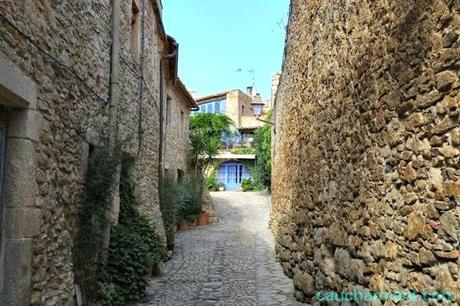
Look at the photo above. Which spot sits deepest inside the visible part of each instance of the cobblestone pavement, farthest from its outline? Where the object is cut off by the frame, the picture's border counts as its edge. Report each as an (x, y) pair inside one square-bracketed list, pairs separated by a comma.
[(228, 263)]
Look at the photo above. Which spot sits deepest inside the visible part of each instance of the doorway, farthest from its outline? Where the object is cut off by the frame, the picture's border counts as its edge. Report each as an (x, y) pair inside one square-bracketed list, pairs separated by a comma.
[(232, 174)]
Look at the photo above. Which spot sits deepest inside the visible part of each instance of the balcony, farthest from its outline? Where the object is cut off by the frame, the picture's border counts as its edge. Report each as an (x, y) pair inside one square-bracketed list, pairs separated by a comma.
[(237, 141)]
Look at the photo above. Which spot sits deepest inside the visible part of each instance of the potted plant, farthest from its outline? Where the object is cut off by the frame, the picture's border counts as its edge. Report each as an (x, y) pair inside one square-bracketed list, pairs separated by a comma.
[(247, 185), (192, 220), (203, 218), (221, 186), (184, 225)]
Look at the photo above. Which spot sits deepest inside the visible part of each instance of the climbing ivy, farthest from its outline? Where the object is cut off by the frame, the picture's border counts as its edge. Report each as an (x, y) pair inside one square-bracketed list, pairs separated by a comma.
[(262, 167), (96, 200), (170, 205), (134, 247)]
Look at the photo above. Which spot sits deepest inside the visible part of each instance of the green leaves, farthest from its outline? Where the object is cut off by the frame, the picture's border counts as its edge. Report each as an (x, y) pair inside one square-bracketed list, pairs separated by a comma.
[(95, 201), (205, 134), (247, 185), (243, 151), (262, 142), (134, 247), (169, 206)]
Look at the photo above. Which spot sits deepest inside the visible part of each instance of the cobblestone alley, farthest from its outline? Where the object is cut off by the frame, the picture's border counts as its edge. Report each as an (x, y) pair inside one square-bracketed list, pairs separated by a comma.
[(228, 263)]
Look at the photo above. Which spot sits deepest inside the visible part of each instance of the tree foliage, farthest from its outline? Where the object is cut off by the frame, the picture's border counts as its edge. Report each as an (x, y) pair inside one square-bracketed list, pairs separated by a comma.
[(96, 200), (205, 134), (262, 143)]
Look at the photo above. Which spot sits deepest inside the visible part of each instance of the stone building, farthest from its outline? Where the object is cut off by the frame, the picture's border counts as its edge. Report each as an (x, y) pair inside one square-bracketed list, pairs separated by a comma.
[(178, 104), (366, 171), (239, 107), (73, 74)]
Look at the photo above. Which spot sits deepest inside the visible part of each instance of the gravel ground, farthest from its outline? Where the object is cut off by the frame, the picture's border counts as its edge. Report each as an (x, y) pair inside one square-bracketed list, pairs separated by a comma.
[(228, 263)]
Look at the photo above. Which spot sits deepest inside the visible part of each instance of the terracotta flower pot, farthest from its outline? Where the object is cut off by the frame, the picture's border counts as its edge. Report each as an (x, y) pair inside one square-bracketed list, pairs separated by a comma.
[(203, 219), (184, 226)]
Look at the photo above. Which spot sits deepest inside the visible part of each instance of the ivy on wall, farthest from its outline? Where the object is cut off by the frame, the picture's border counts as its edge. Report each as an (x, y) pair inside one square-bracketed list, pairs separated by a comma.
[(116, 275), (134, 248), (262, 143), (96, 201)]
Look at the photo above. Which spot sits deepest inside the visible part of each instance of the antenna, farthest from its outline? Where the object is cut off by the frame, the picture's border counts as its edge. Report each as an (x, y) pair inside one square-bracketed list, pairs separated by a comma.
[(252, 71)]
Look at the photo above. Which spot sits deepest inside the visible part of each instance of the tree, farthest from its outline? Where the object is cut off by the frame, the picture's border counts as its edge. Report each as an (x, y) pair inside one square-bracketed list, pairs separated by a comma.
[(262, 143), (205, 134)]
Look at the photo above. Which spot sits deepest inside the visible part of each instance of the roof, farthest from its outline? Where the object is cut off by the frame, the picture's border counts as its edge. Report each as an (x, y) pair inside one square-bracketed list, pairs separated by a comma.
[(185, 92), (173, 47), (158, 7), (212, 97)]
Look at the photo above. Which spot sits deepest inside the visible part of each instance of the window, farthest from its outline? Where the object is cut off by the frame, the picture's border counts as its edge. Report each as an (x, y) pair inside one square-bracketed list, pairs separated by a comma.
[(167, 173), (180, 176), (182, 123), (217, 107), (168, 110), (135, 30)]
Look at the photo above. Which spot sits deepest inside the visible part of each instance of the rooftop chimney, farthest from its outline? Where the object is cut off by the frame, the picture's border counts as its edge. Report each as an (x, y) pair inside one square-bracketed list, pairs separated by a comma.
[(249, 91)]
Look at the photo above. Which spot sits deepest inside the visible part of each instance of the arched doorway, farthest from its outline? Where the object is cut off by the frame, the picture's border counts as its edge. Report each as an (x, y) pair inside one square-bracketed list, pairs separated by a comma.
[(231, 174)]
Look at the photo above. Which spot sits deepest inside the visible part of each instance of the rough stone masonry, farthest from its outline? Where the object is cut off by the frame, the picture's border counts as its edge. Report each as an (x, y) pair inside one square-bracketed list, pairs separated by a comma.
[(60, 113), (366, 178)]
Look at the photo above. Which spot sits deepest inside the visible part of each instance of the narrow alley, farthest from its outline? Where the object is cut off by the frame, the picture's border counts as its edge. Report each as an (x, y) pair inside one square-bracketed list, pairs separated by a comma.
[(228, 263)]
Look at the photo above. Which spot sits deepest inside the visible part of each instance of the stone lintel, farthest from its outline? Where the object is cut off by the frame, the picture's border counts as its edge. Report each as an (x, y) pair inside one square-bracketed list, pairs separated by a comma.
[(16, 89)]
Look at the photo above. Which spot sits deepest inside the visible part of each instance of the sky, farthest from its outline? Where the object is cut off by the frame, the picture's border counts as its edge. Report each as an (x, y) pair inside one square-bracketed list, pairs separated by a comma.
[(227, 44)]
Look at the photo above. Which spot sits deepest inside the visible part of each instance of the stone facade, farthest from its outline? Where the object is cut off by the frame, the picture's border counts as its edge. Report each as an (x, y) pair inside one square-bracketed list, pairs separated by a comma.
[(55, 62), (366, 174), (176, 131)]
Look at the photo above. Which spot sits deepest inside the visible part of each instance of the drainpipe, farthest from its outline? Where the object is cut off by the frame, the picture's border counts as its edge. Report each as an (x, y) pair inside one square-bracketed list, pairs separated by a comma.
[(141, 77), (113, 120), (115, 55), (162, 89)]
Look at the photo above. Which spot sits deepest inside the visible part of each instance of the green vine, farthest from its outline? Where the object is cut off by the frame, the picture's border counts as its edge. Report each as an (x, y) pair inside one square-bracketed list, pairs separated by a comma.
[(134, 247), (243, 151), (95, 202), (211, 179), (170, 205)]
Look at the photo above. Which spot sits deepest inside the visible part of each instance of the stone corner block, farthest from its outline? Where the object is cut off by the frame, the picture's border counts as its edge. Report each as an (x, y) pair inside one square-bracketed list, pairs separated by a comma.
[(22, 222), (17, 267), (20, 173), (16, 89), (25, 124)]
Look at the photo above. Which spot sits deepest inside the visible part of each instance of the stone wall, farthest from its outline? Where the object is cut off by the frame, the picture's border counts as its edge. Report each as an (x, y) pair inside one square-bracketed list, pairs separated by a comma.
[(69, 67), (177, 141), (366, 174)]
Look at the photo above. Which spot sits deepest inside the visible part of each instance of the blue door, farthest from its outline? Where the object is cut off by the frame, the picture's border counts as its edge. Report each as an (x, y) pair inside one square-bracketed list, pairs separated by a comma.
[(231, 175)]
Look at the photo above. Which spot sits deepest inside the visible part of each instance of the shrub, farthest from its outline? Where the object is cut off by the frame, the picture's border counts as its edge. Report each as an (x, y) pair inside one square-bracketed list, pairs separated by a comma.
[(169, 206), (262, 168), (205, 136), (190, 200), (96, 199), (247, 184), (134, 247), (211, 180), (243, 151)]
